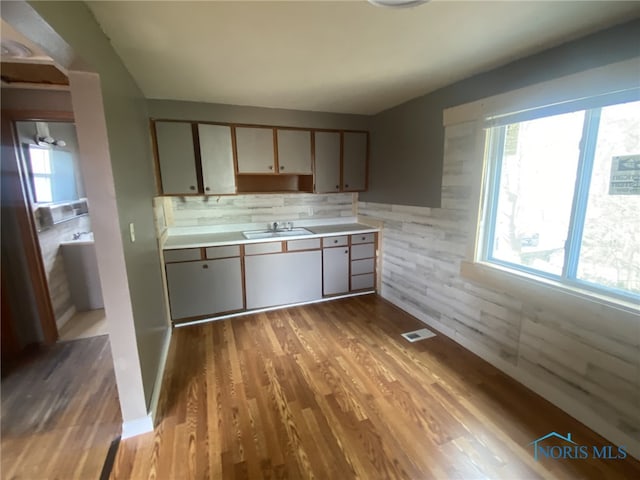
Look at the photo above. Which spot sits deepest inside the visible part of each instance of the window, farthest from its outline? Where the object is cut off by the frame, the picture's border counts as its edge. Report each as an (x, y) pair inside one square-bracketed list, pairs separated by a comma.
[(52, 173), (41, 173), (562, 198)]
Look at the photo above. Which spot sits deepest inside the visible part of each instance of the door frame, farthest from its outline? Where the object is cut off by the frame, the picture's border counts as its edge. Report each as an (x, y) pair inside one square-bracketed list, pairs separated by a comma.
[(20, 201)]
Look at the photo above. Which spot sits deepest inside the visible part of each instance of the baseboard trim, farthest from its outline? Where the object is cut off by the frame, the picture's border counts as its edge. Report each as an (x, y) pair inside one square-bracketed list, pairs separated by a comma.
[(560, 399), (66, 316), (157, 387), (137, 427)]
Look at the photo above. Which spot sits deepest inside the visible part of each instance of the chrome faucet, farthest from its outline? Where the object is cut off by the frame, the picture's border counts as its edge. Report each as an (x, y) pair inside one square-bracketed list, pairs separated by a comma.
[(274, 226), (77, 235)]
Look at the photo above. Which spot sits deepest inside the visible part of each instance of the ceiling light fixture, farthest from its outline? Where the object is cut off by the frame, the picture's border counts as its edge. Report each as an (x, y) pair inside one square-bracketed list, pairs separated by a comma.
[(44, 139), (397, 3), (11, 48)]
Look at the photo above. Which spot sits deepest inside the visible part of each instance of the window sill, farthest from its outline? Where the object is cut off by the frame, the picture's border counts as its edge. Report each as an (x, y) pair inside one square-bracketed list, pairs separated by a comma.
[(541, 290)]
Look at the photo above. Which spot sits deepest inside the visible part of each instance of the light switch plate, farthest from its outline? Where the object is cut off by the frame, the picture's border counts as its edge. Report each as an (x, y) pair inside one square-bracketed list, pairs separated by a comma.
[(132, 232)]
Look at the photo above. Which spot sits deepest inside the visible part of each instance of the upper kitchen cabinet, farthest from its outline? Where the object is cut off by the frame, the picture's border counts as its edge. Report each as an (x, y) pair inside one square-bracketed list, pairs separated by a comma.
[(354, 161), (327, 161), (194, 159), (294, 151), (340, 168), (216, 156), (255, 150), (263, 167), (176, 158)]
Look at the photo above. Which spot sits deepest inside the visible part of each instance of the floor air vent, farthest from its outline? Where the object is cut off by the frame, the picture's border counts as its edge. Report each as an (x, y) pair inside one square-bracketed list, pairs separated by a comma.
[(418, 335)]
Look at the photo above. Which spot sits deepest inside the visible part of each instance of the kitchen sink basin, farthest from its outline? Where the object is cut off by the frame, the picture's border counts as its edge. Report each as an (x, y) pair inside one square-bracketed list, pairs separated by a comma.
[(259, 234)]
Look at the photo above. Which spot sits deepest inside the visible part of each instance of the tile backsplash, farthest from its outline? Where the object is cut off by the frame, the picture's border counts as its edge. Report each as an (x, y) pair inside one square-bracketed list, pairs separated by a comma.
[(245, 209)]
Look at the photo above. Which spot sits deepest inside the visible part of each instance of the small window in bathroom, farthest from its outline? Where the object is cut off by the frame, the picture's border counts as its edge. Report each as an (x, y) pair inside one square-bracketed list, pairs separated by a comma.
[(52, 174)]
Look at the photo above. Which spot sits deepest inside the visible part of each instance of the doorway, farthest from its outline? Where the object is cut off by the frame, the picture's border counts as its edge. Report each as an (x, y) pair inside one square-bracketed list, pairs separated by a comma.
[(61, 216)]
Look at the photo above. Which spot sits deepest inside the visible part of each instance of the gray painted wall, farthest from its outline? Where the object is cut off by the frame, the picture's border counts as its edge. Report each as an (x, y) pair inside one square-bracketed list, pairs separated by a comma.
[(407, 141), (215, 112), (130, 150)]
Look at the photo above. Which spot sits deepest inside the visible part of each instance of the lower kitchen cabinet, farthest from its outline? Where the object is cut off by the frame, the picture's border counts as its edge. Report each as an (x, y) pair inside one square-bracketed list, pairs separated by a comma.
[(218, 280), (335, 269), (283, 278), (205, 287)]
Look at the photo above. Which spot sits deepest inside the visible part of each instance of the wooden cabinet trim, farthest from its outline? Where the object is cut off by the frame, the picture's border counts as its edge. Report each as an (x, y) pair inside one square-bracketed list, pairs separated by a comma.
[(156, 157)]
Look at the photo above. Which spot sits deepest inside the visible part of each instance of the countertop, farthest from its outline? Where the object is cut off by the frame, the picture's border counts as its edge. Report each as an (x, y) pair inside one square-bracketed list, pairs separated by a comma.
[(195, 239)]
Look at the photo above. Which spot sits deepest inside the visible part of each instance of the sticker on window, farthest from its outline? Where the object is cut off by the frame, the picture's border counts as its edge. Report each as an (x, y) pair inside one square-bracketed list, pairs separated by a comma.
[(625, 175)]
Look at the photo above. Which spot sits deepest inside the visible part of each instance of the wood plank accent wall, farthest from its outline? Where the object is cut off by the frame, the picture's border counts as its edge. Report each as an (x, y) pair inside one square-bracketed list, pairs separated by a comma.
[(193, 211), (59, 290), (587, 361)]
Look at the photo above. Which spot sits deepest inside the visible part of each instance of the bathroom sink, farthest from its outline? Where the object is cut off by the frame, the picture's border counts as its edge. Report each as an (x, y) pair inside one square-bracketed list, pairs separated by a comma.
[(81, 267), (259, 234)]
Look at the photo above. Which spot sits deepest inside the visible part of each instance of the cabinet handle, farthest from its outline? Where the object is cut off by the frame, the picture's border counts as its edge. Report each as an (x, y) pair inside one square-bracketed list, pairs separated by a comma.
[(337, 187), (205, 266), (207, 189), (335, 241), (281, 167), (346, 251), (346, 185), (191, 187), (364, 238), (270, 167)]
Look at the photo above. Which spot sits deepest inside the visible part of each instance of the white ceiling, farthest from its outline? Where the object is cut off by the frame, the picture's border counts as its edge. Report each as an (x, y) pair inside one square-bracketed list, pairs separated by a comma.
[(346, 56)]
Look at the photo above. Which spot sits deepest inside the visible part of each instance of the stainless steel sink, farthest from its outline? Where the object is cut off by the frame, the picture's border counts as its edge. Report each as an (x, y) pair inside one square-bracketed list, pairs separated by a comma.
[(259, 234)]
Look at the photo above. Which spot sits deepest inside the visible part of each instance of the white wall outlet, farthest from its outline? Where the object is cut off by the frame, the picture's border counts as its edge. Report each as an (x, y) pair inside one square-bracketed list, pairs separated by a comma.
[(132, 232), (311, 211)]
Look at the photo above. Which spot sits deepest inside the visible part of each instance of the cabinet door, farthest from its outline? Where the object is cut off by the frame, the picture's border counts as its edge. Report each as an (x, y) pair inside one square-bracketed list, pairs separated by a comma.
[(294, 151), (216, 155), (327, 161), (283, 278), (205, 287), (354, 161), (335, 270), (176, 156), (255, 150)]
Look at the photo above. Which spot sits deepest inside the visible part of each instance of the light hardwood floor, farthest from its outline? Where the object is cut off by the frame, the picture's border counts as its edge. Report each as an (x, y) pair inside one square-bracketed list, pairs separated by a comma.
[(91, 323), (331, 391), (60, 412)]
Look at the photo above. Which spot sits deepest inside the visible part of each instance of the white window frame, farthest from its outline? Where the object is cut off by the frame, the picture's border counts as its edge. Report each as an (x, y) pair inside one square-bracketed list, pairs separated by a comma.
[(552, 96), (592, 108)]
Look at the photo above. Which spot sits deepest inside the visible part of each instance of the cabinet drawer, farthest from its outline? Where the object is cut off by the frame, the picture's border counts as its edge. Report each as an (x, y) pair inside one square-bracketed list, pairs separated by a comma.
[(223, 252), (359, 267), (305, 244), (362, 251), (362, 238), (358, 282), (258, 248), (182, 255), (335, 241)]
